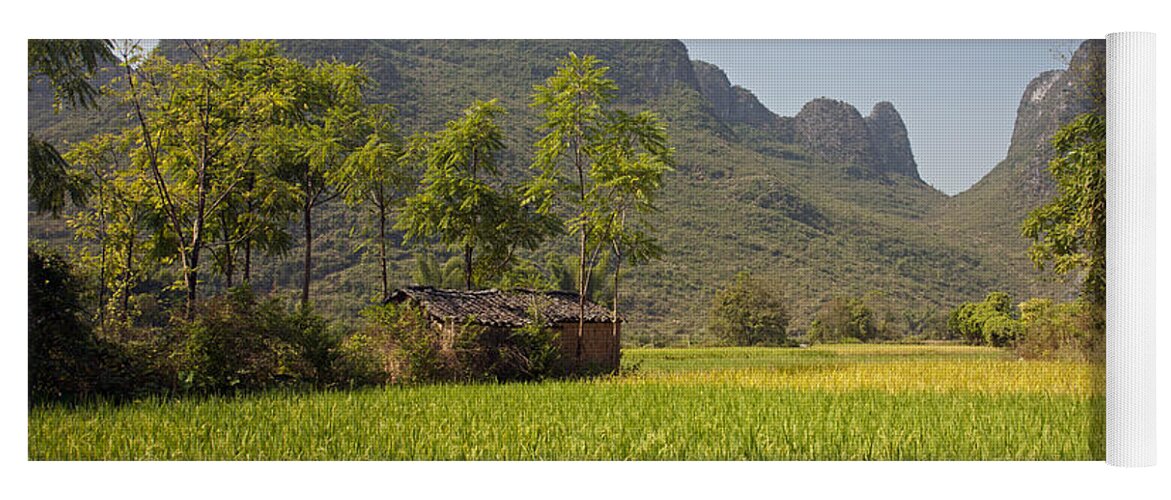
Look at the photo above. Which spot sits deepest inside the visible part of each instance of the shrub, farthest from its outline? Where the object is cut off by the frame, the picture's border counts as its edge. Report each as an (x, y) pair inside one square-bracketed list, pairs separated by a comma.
[(415, 348), (61, 346), (747, 312), (990, 322), (66, 359), (364, 357), (401, 344), (315, 344), (842, 319), (1060, 331), (526, 353), (230, 344)]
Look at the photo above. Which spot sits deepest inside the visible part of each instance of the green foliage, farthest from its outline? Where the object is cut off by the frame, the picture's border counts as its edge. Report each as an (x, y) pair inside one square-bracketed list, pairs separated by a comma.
[(1070, 231), (747, 312), (429, 271), (231, 345), (51, 181), (61, 345), (375, 176), (68, 65), (118, 248), (315, 343), (844, 318), (457, 205), (990, 322), (1052, 330), (240, 342), (528, 353), (66, 360), (419, 351), (603, 165), (413, 350), (196, 135)]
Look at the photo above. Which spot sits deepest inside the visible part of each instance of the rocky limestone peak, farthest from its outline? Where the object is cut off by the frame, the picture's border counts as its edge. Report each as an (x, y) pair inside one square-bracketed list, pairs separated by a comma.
[(889, 142), (835, 132), (1051, 100), (732, 104)]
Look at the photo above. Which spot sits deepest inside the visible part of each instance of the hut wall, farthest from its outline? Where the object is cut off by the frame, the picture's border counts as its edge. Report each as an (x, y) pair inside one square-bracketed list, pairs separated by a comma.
[(601, 348)]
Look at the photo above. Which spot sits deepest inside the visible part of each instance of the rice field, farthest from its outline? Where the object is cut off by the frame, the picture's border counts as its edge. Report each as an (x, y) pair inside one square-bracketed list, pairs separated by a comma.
[(843, 402)]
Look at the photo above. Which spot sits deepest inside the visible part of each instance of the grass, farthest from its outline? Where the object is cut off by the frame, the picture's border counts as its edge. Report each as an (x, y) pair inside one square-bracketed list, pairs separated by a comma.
[(823, 403)]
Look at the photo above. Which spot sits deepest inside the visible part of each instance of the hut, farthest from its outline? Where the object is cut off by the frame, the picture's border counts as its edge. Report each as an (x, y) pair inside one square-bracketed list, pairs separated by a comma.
[(598, 348)]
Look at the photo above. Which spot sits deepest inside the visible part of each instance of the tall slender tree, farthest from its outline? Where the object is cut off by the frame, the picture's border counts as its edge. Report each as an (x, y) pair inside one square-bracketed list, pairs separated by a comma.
[(114, 221), (588, 151), (458, 205), (315, 141), (192, 127), (629, 174), (377, 178)]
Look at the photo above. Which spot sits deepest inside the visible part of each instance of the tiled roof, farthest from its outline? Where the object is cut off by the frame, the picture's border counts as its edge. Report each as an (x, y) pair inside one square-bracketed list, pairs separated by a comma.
[(507, 308)]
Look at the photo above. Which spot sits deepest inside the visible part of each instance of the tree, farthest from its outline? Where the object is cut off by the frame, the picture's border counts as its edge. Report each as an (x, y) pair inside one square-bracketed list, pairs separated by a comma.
[(197, 128), (588, 152), (68, 65), (844, 317), (116, 221), (316, 140), (990, 322), (1070, 231), (376, 177), (629, 174), (747, 312), (456, 204)]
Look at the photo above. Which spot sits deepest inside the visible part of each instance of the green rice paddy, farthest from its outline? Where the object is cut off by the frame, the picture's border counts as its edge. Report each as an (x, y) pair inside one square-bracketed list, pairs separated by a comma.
[(848, 402)]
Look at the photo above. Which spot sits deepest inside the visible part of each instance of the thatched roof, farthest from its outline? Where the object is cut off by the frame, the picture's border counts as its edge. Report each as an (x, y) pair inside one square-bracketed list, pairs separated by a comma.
[(506, 308)]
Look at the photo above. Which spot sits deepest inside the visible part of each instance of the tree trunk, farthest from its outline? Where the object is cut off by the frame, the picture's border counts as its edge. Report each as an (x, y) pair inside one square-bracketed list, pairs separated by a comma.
[(102, 241), (308, 252), (191, 274), (189, 279), (128, 275), (249, 207), (584, 282), (382, 250), (582, 288), (228, 264), (468, 266), (247, 275), (229, 258), (614, 306)]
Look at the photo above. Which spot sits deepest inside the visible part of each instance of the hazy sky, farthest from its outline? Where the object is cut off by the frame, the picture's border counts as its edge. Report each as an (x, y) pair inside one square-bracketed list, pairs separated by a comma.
[(958, 98)]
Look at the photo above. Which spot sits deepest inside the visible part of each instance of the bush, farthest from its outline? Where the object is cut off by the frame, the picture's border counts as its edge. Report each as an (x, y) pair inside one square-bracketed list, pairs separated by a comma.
[(62, 348), (526, 353), (843, 319), (66, 360), (315, 344), (413, 349), (230, 345), (1060, 331), (990, 322), (402, 345), (747, 312), (237, 342)]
